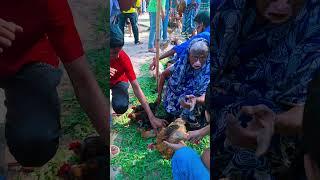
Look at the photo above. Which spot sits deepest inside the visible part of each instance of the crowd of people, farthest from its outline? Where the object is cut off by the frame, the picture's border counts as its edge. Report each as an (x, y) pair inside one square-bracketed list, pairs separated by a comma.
[(188, 78), (257, 90)]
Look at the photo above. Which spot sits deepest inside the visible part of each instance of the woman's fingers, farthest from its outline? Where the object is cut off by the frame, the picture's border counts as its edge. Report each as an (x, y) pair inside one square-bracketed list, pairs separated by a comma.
[(4, 42), (166, 122), (10, 26), (263, 141), (5, 33)]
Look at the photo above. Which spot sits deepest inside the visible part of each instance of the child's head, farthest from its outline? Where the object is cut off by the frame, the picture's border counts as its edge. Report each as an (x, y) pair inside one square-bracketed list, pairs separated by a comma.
[(116, 41), (202, 21)]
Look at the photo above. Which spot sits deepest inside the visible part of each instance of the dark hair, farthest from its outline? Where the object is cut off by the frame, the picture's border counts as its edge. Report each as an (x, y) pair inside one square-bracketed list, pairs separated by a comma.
[(116, 37), (311, 121), (203, 17)]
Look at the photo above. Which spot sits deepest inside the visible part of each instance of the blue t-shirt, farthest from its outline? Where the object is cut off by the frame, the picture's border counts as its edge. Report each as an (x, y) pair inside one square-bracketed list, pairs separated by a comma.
[(179, 49)]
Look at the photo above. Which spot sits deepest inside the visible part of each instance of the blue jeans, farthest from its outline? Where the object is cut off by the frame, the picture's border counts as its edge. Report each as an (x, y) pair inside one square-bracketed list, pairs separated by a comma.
[(133, 17), (152, 35), (143, 6), (33, 128), (120, 97), (165, 25)]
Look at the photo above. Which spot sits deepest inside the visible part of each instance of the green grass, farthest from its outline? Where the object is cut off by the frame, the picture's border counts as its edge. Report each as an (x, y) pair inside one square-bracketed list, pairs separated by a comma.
[(135, 159)]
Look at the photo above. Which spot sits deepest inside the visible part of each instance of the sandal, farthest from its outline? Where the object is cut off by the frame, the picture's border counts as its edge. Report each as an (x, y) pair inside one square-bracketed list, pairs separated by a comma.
[(114, 151)]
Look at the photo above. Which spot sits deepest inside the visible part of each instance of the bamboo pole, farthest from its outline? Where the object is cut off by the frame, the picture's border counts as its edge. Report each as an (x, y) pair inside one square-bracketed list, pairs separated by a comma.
[(157, 43)]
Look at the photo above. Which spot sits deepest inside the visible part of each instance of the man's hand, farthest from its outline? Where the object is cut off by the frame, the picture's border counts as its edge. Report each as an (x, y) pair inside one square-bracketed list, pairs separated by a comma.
[(8, 32), (259, 131), (153, 64), (175, 147), (112, 72), (189, 103), (158, 123)]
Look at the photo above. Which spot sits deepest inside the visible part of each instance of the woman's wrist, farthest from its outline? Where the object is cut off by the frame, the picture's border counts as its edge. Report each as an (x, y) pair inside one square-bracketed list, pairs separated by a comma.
[(280, 124), (150, 116)]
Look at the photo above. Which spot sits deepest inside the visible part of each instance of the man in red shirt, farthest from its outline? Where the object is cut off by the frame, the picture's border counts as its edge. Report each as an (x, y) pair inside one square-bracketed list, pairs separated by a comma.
[(121, 71), (34, 36)]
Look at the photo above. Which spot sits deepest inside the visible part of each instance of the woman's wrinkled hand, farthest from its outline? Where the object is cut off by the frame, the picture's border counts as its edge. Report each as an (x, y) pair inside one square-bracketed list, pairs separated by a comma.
[(257, 134), (188, 102), (195, 136)]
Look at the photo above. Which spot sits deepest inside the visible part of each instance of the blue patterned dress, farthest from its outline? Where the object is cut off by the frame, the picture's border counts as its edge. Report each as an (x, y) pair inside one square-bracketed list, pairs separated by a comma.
[(266, 64), (184, 80)]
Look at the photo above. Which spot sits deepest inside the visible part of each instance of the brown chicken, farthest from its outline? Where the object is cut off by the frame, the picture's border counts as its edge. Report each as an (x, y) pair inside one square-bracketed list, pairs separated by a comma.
[(174, 133)]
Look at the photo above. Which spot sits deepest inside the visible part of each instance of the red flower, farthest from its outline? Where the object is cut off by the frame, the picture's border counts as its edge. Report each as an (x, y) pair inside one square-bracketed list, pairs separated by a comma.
[(151, 146), (197, 142), (64, 170), (75, 145)]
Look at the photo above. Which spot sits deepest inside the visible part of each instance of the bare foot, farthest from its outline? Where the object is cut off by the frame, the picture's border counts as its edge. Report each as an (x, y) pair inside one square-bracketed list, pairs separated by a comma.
[(152, 50)]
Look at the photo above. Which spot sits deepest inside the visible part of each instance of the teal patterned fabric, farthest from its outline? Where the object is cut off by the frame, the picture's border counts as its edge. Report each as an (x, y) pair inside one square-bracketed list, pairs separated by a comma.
[(266, 64)]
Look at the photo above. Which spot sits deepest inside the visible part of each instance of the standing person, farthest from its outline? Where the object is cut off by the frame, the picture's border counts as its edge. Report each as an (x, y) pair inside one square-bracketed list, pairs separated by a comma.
[(188, 26), (166, 22), (34, 37), (152, 9), (121, 71), (132, 15)]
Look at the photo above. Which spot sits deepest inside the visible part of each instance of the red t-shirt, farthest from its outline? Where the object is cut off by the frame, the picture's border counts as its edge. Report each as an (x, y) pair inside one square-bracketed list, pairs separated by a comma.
[(124, 69), (48, 33)]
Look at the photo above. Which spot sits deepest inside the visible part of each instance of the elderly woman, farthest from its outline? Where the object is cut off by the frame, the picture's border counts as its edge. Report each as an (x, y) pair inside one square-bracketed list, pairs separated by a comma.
[(188, 80), (265, 54)]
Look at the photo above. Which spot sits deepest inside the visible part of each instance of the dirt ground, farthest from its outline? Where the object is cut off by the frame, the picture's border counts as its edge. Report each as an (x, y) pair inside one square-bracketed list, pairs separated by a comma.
[(87, 20), (139, 54)]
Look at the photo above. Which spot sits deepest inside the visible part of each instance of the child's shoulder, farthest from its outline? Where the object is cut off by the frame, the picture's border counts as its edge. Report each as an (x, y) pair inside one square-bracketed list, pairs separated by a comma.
[(123, 56)]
